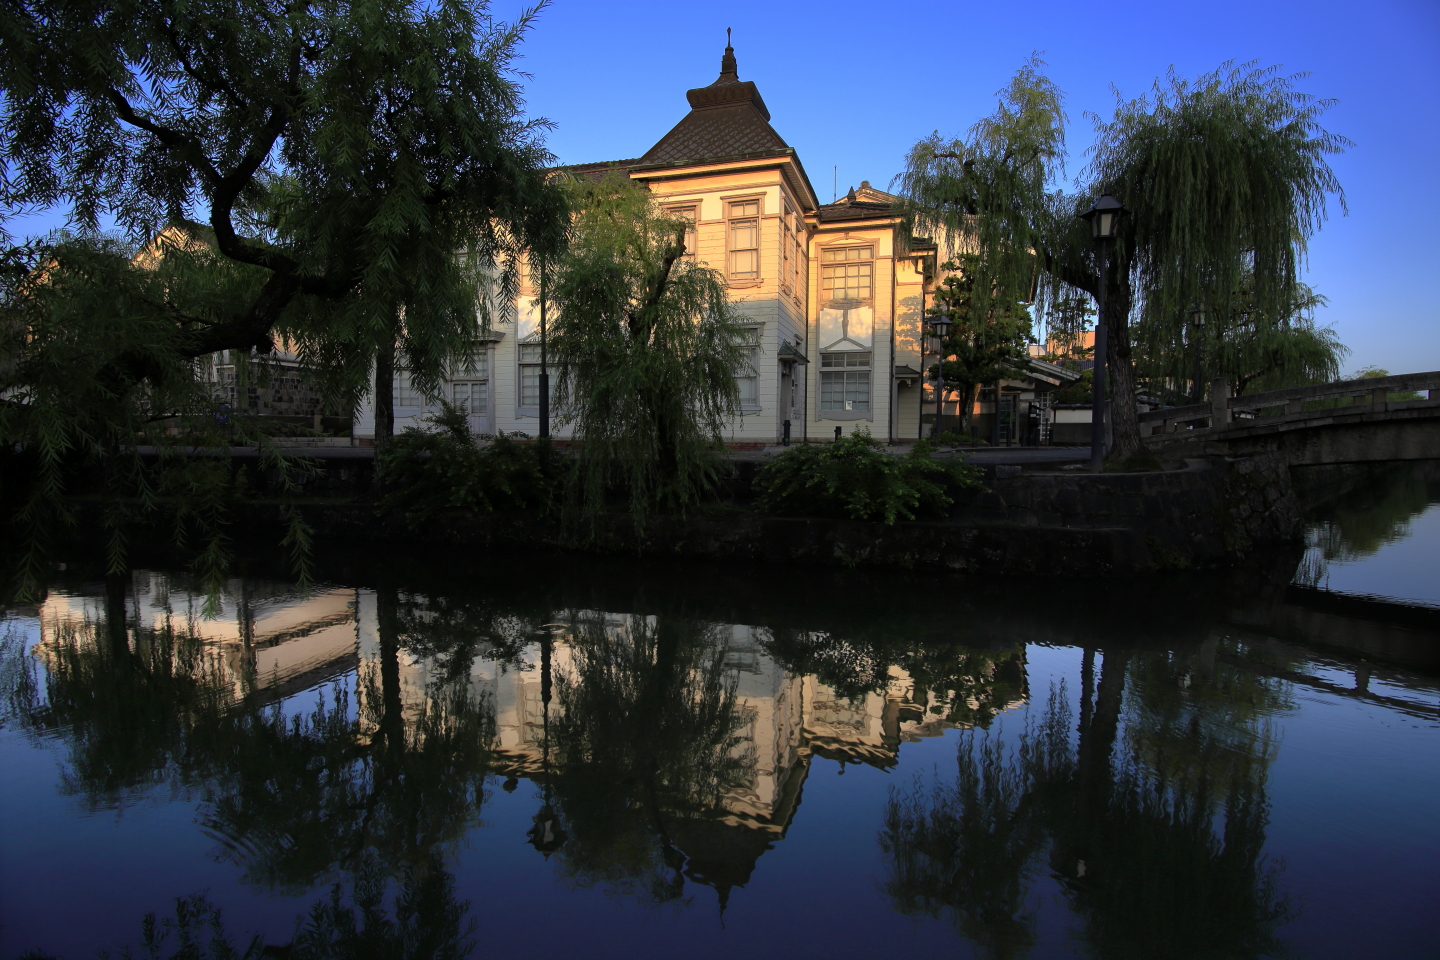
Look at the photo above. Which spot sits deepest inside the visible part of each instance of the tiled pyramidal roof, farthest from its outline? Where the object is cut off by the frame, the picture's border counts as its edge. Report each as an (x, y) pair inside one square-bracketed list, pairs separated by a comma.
[(726, 119)]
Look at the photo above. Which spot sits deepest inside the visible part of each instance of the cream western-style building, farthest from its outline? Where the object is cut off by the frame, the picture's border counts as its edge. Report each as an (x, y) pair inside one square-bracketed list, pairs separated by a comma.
[(834, 304)]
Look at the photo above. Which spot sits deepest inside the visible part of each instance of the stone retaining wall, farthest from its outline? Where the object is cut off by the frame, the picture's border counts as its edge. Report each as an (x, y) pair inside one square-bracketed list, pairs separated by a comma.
[(1212, 514)]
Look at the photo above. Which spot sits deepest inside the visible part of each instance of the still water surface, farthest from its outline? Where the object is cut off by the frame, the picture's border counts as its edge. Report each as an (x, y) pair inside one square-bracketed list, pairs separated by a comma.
[(595, 758)]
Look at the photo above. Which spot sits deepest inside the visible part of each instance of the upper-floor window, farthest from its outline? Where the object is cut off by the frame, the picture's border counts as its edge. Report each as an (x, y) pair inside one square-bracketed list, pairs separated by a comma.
[(847, 273), (798, 262), (744, 227), (788, 250), (690, 216)]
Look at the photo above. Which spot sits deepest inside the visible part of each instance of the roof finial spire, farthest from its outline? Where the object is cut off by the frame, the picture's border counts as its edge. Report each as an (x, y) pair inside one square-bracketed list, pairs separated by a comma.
[(729, 73)]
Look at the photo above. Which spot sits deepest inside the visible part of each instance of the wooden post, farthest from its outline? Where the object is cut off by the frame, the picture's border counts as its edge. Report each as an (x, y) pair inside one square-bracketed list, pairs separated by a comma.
[(1219, 403)]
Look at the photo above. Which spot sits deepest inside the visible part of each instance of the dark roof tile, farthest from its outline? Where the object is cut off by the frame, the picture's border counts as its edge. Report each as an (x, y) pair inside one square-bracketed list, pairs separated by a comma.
[(726, 119)]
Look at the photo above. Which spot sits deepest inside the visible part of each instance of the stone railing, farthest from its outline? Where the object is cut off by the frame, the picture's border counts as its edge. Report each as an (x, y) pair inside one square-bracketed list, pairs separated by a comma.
[(1289, 405)]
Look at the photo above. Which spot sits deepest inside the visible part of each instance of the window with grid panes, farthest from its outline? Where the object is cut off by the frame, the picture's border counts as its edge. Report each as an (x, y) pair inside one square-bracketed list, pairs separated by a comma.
[(529, 374), (470, 389), (845, 380), (688, 214), (787, 250), (406, 393), (847, 274), (744, 226), (748, 379), (800, 262)]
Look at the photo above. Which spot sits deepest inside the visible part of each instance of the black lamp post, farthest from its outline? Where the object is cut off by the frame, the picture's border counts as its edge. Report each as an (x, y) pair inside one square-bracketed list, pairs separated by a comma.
[(940, 324), (544, 369), (545, 835), (1104, 215)]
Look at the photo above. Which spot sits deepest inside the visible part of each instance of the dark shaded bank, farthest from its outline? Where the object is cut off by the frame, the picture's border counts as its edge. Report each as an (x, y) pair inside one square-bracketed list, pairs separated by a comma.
[(1183, 609), (1211, 514)]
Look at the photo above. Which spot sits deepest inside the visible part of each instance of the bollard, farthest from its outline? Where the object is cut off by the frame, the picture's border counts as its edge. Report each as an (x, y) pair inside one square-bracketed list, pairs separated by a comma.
[(837, 434), (785, 441)]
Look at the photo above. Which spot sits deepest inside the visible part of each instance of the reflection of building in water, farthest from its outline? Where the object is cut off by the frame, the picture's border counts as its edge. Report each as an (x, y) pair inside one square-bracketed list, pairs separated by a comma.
[(270, 640), (262, 637), (787, 720)]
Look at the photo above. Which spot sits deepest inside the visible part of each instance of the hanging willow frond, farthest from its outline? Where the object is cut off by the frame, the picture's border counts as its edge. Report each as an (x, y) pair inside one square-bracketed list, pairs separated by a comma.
[(647, 347), (987, 195), (1227, 178)]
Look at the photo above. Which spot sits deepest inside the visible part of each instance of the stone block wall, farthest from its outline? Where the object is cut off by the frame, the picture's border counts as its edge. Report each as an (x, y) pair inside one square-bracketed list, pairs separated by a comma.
[(1211, 512)]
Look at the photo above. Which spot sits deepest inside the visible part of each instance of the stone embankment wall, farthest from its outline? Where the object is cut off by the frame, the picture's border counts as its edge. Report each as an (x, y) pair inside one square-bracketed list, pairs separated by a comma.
[(1211, 514)]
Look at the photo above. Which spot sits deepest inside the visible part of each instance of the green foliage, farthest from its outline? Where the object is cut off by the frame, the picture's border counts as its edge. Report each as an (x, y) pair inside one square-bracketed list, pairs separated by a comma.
[(424, 471), (1376, 373), (70, 417), (854, 478), (1253, 350), (1226, 177), (1081, 391), (986, 343), (353, 163), (647, 347)]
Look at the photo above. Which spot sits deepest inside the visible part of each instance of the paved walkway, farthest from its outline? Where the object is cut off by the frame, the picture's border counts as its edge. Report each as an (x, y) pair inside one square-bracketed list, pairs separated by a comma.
[(979, 455)]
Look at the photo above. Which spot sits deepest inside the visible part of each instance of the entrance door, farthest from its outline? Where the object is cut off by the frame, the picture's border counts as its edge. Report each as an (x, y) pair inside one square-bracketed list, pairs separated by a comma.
[(1008, 419)]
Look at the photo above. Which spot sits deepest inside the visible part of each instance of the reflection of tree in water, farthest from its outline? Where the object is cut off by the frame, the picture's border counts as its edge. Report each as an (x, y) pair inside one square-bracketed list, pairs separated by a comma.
[(1155, 835), (1359, 523), (295, 797), (647, 743)]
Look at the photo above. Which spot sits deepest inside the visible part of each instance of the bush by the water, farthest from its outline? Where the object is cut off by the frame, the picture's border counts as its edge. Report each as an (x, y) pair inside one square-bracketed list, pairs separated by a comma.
[(424, 471), (854, 478)]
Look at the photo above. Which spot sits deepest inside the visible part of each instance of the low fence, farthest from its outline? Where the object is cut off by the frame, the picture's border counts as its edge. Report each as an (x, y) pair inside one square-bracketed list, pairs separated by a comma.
[(1293, 404)]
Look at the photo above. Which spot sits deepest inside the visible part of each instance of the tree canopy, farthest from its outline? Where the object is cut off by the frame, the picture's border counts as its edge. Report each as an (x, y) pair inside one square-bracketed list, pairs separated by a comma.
[(1225, 177), (346, 163), (987, 341), (647, 347)]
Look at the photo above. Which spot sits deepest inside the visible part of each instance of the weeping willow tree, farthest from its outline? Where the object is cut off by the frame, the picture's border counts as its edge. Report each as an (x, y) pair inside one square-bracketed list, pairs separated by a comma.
[(1226, 178), (1250, 348), (647, 348), (353, 165)]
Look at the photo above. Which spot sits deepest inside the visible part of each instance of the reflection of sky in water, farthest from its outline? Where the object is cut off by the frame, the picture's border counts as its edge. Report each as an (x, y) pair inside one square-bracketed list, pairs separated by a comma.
[(1407, 567)]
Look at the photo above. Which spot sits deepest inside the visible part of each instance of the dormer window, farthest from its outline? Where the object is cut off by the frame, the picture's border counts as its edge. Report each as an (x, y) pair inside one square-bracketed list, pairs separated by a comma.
[(847, 275), (743, 218)]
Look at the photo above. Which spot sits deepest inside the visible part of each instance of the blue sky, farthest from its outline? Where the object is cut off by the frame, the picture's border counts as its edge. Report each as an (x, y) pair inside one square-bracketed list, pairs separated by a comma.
[(853, 85)]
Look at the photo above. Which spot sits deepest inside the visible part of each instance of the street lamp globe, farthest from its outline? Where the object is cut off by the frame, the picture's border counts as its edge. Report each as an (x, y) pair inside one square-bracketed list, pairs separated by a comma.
[(1104, 216)]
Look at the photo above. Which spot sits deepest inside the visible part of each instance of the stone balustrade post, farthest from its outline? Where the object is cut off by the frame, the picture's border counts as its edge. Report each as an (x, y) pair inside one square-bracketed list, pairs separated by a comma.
[(1219, 403), (1379, 397), (1295, 406)]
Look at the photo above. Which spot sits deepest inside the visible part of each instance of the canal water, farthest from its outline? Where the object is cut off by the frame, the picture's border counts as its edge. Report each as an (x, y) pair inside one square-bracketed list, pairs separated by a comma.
[(432, 755)]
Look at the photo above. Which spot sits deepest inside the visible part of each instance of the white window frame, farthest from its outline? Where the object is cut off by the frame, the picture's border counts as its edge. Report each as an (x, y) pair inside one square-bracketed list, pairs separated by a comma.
[(752, 337), (850, 369), (734, 221)]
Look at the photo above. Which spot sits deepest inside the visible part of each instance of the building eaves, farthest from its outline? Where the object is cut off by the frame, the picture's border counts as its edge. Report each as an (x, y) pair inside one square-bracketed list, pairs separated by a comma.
[(597, 170)]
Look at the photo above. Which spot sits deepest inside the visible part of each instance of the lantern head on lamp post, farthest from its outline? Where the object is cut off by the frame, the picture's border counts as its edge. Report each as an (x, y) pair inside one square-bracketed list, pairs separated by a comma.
[(1104, 217), (940, 325)]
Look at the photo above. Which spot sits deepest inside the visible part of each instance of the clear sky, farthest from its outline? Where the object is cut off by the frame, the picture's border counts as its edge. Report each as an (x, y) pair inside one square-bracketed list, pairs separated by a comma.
[(852, 85)]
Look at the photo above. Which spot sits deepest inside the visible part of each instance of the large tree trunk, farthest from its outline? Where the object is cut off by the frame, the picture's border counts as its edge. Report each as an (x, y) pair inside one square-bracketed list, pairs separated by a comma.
[(1121, 386)]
